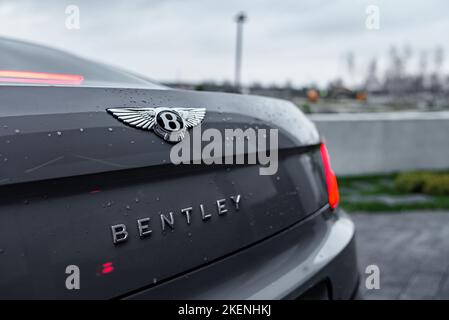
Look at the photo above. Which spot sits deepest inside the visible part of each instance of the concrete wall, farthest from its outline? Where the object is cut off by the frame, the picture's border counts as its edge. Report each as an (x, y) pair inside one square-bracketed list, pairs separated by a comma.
[(385, 142)]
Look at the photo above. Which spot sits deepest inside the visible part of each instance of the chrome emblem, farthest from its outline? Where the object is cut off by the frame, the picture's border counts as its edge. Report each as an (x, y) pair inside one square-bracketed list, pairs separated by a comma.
[(170, 124), (224, 206)]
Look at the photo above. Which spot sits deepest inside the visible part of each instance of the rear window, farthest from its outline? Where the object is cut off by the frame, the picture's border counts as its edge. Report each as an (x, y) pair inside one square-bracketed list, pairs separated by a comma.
[(23, 63)]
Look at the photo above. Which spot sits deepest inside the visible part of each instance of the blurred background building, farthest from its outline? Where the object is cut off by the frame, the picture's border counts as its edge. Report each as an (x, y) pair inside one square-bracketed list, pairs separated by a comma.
[(322, 55), (400, 87)]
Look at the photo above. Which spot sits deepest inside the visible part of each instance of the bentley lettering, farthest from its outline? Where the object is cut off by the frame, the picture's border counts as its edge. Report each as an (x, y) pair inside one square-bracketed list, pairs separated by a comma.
[(120, 231)]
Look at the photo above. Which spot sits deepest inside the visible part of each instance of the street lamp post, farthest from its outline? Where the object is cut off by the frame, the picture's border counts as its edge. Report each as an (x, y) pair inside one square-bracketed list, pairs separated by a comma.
[(240, 20)]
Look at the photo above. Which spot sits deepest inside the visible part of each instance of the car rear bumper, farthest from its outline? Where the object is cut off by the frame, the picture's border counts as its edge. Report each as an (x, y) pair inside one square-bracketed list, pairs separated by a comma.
[(315, 258)]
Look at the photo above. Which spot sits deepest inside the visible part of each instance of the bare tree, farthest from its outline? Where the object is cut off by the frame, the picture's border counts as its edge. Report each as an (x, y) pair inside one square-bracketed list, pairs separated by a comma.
[(423, 63), (396, 64), (439, 58), (350, 62), (407, 53), (371, 82)]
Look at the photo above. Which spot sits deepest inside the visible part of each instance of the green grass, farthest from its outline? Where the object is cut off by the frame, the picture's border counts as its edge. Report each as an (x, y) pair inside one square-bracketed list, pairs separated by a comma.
[(377, 184), (432, 183), (439, 203)]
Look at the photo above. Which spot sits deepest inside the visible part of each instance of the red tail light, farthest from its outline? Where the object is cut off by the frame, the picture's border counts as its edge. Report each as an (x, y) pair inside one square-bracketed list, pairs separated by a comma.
[(331, 179), (12, 76)]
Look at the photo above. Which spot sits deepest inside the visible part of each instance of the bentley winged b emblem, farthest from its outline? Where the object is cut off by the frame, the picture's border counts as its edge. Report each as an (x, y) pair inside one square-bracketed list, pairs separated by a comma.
[(170, 124)]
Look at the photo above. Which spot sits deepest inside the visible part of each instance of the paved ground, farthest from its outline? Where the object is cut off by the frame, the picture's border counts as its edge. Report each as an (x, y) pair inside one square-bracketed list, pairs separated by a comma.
[(411, 250)]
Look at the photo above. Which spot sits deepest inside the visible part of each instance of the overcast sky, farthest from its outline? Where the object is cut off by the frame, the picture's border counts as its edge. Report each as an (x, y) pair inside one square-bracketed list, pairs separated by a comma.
[(302, 41)]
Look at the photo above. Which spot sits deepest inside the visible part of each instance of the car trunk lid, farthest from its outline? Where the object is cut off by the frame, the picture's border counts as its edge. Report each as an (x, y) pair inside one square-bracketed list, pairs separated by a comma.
[(72, 176)]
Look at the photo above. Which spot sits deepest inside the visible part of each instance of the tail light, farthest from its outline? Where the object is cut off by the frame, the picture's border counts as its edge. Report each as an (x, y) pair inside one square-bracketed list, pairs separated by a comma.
[(331, 179), (12, 76)]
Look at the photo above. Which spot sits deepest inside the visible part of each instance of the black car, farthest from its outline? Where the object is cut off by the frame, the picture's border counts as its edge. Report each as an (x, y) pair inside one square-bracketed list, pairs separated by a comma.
[(92, 207)]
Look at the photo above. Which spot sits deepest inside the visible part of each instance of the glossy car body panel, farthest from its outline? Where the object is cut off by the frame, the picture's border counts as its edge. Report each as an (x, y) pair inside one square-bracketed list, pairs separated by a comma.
[(48, 225), (69, 176), (318, 249), (67, 132), (69, 171)]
